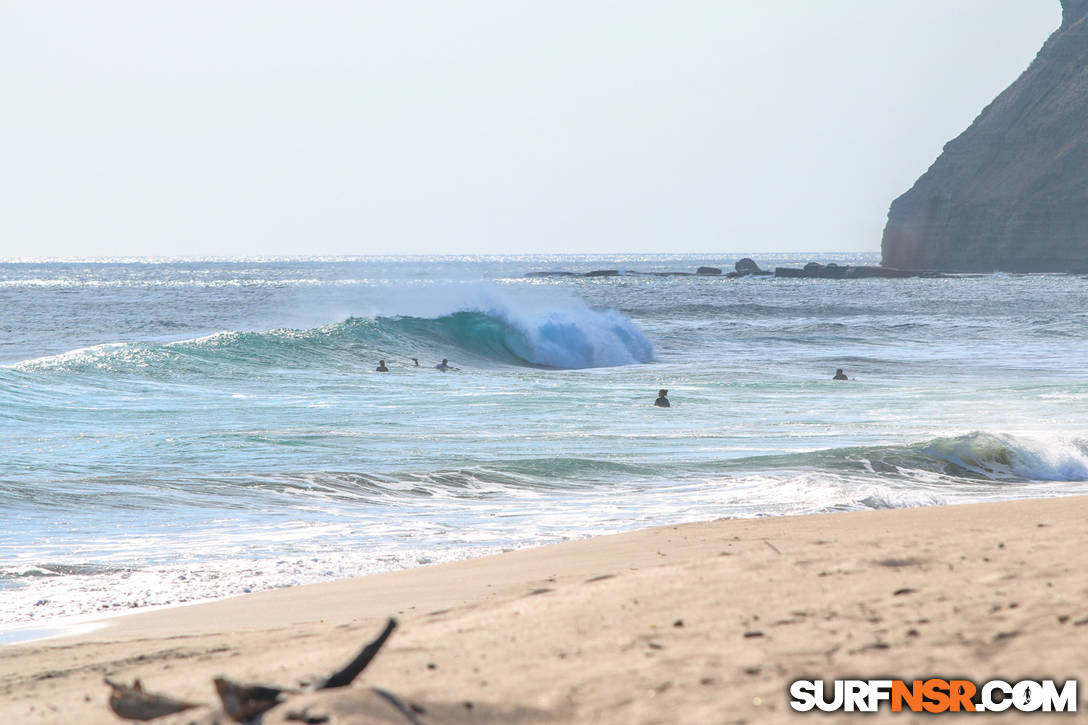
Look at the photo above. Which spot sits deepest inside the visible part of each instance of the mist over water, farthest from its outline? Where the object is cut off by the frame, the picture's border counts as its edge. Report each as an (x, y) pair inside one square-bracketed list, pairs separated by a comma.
[(186, 430)]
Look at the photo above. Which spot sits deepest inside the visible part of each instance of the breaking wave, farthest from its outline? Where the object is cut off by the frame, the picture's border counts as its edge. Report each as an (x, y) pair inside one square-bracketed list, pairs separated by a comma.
[(978, 456), (570, 338)]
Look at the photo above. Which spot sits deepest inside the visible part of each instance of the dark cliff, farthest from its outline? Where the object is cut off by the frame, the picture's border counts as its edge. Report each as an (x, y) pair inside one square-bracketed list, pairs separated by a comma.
[(1011, 192)]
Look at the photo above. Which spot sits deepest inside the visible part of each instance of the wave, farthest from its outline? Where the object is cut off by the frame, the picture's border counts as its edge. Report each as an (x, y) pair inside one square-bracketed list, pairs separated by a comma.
[(556, 340), (573, 337), (977, 456)]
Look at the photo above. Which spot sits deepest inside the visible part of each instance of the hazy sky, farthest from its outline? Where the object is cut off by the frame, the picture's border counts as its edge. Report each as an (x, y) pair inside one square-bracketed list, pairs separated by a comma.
[(273, 127)]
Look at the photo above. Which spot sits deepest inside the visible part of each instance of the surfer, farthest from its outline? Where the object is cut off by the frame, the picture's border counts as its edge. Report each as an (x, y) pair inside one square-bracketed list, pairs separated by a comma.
[(662, 399), (414, 361), (445, 365), (381, 367), (840, 375)]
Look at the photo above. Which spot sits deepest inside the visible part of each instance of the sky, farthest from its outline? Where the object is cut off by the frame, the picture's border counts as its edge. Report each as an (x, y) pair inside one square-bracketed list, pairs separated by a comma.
[(358, 127)]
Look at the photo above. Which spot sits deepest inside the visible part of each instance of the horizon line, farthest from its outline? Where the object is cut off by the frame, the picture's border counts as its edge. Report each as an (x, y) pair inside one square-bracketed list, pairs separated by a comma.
[(168, 259)]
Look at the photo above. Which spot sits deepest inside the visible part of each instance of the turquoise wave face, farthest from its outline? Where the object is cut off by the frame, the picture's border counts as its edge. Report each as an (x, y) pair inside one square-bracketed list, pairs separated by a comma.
[(561, 340)]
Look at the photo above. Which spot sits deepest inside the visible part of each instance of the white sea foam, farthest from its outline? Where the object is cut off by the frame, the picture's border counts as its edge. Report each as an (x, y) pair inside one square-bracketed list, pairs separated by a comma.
[(1054, 459), (1003, 456)]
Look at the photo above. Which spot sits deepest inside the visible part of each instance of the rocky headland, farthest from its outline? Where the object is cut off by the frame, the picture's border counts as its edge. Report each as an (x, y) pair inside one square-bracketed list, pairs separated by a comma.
[(1011, 192)]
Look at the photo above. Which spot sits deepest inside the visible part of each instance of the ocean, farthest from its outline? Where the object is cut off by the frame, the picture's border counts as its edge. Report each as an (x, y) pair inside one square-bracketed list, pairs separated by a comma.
[(180, 430)]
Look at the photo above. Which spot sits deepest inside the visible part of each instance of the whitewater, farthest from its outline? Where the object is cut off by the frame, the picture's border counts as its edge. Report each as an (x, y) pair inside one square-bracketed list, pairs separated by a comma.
[(179, 430)]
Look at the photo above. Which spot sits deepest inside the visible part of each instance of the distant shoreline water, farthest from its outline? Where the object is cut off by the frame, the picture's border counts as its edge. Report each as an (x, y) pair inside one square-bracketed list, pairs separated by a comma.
[(176, 431)]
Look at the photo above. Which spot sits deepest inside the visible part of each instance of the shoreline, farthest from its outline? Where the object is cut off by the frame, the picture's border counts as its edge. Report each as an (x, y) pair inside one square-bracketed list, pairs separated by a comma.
[(668, 624), (75, 624)]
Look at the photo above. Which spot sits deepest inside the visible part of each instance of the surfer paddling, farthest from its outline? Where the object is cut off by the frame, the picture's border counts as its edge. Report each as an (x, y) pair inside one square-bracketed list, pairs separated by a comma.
[(445, 365)]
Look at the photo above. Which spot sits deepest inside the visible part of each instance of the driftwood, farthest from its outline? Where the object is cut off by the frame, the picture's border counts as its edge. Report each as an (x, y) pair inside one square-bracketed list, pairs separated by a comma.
[(242, 701), (246, 702), (403, 709), (135, 703), (351, 670)]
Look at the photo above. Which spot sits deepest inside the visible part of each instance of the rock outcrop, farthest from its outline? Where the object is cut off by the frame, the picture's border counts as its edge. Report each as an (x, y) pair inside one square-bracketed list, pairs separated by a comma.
[(1011, 192), (748, 266), (831, 270)]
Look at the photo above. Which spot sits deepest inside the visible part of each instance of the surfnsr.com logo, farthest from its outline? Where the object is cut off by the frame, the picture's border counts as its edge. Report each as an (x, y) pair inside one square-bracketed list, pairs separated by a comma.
[(933, 695)]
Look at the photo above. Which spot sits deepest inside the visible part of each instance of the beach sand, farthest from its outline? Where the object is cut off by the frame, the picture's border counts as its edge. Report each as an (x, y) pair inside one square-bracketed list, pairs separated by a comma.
[(700, 623)]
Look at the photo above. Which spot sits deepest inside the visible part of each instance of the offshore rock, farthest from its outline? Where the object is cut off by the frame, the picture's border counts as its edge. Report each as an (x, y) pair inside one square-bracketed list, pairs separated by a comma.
[(745, 267), (748, 266), (553, 274), (815, 270), (1011, 192)]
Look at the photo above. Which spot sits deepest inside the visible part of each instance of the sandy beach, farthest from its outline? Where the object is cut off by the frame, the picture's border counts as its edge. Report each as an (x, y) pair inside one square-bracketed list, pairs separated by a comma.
[(699, 623)]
